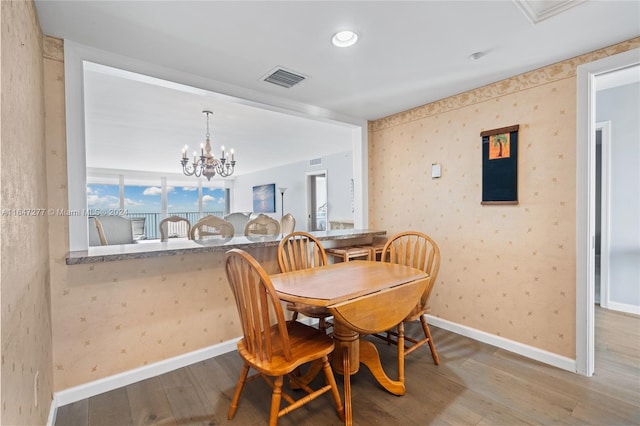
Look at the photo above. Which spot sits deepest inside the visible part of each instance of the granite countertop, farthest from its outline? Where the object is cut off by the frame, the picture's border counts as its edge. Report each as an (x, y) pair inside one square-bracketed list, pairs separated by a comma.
[(154, 248)]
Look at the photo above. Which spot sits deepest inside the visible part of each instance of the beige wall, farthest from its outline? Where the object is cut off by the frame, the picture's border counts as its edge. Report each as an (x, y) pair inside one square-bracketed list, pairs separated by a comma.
[(26, 314), (506, 270)]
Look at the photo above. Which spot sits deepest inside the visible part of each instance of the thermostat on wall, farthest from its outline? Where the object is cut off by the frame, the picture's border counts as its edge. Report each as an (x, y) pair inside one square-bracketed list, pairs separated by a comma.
[(436, 170)]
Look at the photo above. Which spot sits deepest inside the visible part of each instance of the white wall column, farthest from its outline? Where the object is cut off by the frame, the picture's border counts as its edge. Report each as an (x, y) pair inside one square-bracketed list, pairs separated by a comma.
[(163, 197)]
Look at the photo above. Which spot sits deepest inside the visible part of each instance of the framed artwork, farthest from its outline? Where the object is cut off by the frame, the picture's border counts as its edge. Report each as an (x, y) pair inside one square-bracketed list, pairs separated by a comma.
[(500, 165), (264, 198)]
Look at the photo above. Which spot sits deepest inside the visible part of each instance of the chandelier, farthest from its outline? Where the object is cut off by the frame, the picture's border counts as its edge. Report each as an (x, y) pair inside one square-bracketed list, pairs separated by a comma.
[(207, 164)]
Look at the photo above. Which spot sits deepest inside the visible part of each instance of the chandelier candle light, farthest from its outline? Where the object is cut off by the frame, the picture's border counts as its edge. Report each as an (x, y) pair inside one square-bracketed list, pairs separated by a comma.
[(207, 164)]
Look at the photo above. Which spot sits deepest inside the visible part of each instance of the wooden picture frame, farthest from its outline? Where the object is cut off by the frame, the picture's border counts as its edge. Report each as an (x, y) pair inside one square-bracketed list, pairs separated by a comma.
[(500, 166)]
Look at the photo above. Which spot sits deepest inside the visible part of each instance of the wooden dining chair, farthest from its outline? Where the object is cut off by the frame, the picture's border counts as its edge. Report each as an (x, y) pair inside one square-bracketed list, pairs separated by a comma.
[(262, 226), (210, 226), (301, 250), (420, 251), (179, 220), (272, 346)]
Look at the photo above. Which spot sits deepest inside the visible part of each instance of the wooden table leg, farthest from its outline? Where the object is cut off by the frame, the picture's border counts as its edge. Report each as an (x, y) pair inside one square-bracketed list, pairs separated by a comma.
[(344, 337), (348, 416), (349, 352), (401, 352), (369, 356)]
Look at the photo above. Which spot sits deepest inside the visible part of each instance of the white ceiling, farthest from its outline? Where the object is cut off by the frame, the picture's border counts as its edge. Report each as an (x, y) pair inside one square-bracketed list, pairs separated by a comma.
[(408, 54)]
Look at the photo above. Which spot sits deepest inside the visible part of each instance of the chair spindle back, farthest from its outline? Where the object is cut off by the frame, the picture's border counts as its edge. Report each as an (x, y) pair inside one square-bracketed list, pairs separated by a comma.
[(258, 305), (300, 250), (415, 249)]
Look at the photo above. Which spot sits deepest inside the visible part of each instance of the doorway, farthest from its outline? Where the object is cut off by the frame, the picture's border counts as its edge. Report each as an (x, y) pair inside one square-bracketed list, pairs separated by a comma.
[(317, 201), (585, 202)]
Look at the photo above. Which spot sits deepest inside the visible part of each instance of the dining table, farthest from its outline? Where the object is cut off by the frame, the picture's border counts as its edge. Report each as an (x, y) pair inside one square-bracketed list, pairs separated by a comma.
[(364, 297)]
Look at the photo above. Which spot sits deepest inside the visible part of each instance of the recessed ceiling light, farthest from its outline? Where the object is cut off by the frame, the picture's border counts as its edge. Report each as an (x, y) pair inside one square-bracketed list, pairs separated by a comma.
[(344, 38)]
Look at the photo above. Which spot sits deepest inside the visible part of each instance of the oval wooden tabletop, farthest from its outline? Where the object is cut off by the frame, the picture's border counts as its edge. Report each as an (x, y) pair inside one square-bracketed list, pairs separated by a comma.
[(336, 283)]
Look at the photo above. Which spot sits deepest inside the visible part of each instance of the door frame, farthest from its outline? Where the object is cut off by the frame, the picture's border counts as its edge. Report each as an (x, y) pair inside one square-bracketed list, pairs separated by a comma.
[(585, 202), (605, 209), (310, 202)]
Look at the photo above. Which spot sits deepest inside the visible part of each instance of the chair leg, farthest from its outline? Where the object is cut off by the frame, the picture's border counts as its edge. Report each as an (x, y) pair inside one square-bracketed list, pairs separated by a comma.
[(331, 381), (432, 346), (401, 352), (275, 401), (236, 396)]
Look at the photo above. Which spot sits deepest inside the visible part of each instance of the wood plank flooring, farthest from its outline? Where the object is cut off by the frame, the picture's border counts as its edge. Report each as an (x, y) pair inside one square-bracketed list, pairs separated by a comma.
[(475, 384)]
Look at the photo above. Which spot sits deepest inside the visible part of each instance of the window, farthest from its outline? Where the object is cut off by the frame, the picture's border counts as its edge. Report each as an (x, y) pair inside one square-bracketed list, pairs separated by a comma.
[(102, 199), (144, 204)]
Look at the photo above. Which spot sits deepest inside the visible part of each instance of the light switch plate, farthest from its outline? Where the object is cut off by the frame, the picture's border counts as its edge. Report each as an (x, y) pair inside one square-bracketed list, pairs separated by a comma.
[(436, 170)]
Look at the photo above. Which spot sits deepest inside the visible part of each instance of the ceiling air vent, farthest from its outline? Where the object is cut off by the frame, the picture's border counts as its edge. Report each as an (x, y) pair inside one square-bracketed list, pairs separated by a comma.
[(315, 161), (283, 78)]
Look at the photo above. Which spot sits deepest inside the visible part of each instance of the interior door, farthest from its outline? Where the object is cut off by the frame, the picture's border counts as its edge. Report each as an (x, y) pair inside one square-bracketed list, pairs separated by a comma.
[(317, 201)]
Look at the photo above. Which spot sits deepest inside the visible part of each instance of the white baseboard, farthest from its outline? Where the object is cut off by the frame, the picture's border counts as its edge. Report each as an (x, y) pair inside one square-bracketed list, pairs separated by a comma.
[(623, 307), (506, 344), (116, 381)]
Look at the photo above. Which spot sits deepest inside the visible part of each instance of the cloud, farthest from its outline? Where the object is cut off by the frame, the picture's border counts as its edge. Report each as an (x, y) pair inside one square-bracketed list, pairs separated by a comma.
[(189, 188), (152, 190), (131, 203), (95, 201), (208, 198)]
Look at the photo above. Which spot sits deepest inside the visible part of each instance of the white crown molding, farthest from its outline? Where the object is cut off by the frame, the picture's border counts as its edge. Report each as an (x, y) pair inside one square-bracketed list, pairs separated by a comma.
[(537, 11)]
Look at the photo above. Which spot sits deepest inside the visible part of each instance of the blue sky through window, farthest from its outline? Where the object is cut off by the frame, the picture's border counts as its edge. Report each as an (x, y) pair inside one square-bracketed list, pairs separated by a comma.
[(147, 199)]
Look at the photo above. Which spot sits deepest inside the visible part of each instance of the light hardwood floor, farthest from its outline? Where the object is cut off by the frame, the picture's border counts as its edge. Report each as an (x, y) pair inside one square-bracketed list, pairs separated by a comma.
[(475, 384)]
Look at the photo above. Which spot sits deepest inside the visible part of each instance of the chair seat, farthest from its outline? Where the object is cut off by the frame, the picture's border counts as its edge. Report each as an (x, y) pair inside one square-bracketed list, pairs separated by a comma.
[(309, 310), (307, 344)]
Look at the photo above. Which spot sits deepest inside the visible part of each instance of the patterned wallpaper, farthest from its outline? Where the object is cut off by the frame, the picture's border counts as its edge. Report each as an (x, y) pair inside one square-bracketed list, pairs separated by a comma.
[(108, 318), (112, 317), (27, 377), (506, 270)]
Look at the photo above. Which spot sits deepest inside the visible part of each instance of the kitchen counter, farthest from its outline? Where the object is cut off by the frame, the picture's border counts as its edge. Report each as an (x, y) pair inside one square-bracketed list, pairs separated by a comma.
[(154, 248)]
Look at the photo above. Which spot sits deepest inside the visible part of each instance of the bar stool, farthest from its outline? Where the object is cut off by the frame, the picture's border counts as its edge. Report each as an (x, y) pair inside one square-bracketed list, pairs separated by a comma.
[(375, 249), (348, 253)]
